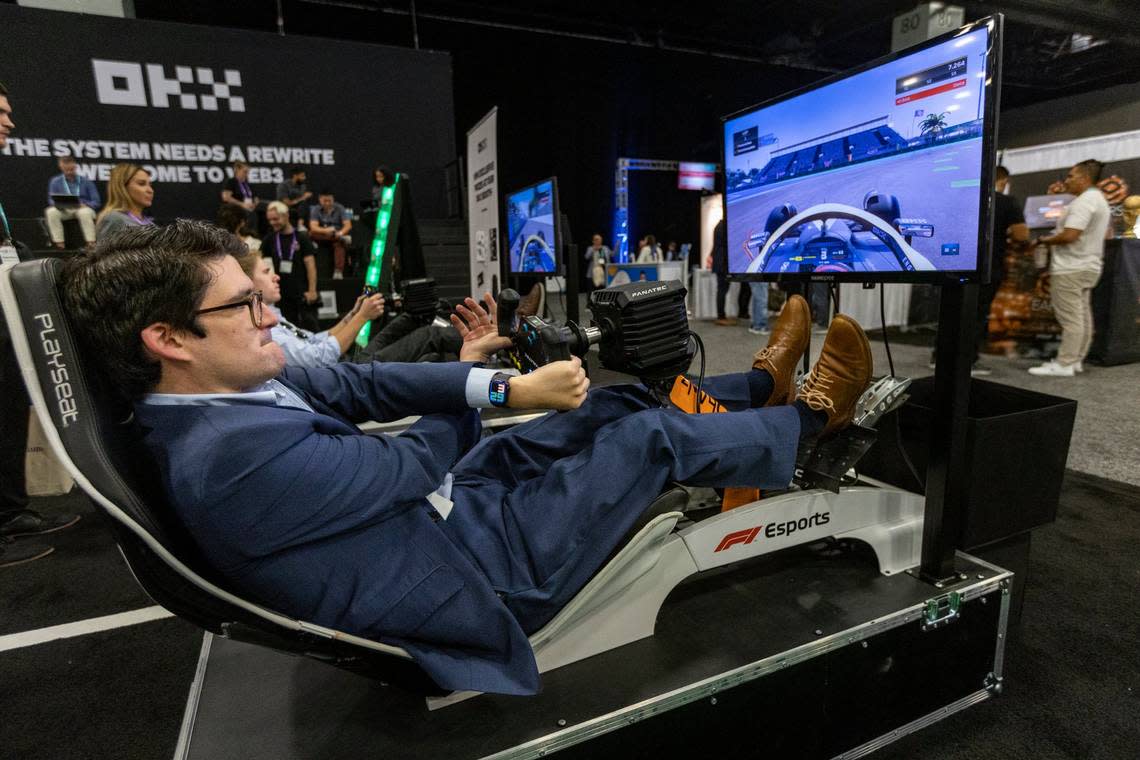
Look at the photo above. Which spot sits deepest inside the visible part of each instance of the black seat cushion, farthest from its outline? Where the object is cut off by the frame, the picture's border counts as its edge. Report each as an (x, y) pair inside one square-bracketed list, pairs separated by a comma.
[(98, 432)]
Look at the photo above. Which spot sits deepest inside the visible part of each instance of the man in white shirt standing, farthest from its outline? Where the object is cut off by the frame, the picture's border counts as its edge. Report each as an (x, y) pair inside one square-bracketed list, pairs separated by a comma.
[(1077, 247)]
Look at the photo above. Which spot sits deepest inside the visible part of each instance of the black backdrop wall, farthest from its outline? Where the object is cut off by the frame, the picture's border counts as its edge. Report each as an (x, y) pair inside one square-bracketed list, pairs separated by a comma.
[(339, 109), (567, 106)]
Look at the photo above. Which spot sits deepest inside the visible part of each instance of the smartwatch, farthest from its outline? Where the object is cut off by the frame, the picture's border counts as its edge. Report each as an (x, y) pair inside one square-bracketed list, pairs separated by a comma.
[(500, 389)]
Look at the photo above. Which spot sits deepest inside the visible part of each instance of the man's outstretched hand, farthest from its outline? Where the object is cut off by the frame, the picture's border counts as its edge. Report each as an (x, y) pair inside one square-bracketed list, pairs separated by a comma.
[(479, 330), (558, 385)]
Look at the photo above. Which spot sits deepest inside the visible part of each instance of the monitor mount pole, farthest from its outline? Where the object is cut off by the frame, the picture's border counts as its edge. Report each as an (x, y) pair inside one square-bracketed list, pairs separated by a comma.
[(570, 256), (946, 475)]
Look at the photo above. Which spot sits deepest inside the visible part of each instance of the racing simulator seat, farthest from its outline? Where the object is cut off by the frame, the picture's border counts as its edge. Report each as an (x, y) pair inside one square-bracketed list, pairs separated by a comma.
[(94, 440)]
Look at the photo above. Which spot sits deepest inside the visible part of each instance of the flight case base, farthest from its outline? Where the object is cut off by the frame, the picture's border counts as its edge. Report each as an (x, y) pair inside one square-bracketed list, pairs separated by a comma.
[(805, 653)]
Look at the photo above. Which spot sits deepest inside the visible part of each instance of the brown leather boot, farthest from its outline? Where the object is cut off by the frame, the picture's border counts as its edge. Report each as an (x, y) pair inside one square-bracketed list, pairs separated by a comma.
[(533, 304), (786, 344), (841, 375)]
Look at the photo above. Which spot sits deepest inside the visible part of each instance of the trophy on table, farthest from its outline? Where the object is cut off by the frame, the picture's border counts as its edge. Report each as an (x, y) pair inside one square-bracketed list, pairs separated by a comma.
[(1130, 211)]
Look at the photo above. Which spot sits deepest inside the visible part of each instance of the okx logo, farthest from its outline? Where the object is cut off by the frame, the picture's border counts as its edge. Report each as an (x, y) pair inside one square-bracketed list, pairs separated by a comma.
[(746, 536), (125, 83)]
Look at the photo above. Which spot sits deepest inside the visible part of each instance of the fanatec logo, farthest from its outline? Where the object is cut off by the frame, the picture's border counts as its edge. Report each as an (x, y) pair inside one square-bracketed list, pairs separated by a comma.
[(125, 83), (651, 291)]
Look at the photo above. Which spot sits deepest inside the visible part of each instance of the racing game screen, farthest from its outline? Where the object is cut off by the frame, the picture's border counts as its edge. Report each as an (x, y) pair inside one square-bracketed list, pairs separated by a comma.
[(879, 172), (531, 230)]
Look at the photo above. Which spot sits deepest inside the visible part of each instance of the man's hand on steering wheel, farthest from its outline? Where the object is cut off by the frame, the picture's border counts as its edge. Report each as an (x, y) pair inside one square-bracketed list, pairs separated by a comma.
[(558, 385), (479, 329)]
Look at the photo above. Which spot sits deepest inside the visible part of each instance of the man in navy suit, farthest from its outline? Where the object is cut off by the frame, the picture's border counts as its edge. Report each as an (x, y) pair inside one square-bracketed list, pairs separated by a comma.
[(431, 540)]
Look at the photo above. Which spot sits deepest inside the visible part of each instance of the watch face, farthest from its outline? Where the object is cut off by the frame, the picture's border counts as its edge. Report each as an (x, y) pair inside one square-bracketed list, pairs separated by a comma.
[(498, 392)]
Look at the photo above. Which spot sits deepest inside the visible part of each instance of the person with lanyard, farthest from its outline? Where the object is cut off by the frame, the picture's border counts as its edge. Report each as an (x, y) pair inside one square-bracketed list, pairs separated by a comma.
[(16, 520), (295, 260), (594, 261), (237, 192), (85, 203), (129, 195)]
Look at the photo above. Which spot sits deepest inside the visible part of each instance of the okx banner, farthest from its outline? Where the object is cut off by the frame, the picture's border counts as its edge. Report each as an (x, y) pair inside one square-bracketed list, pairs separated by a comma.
[(483, 205), (185, 102)]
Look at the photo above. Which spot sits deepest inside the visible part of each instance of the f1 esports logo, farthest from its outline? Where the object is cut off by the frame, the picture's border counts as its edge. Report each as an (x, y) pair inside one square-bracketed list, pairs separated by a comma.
[(124, 83), (746, 536), (772, 530)]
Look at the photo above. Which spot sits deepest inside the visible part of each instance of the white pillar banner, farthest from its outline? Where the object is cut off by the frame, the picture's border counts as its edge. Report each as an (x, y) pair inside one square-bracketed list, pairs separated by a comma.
[(483, 205), (1120, 146)]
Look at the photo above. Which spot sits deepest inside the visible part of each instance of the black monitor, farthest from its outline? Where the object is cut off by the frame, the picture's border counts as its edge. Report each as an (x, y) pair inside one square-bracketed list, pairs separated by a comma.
[(534, 235), (882, 174)]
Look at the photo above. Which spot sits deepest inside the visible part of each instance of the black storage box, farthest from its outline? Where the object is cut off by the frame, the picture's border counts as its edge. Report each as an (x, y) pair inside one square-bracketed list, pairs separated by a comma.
[(1017, 443), (1116, 305)]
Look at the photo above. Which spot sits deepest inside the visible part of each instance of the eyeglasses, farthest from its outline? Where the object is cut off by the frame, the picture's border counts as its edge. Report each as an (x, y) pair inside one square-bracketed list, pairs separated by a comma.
[(253, 302)]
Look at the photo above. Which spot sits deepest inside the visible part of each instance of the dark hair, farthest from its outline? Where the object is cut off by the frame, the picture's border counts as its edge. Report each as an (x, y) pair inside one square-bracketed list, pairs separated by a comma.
[(232, 218), (389, 176), (324, 191), (134, 278), (3, 90), (1001, 173), (1091, 169), (294, 170)]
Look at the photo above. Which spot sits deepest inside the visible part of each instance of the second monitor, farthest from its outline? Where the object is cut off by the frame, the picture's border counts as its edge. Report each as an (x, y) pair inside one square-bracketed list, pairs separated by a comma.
[(534, 241)]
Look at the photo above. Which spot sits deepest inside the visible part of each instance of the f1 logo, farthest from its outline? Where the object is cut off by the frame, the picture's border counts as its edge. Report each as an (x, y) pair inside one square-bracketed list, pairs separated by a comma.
[(746, 536)]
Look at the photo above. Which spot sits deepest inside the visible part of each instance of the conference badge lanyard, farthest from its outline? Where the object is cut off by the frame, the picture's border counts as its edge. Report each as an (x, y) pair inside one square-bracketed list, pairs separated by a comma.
[(285, 265), (8, 253)]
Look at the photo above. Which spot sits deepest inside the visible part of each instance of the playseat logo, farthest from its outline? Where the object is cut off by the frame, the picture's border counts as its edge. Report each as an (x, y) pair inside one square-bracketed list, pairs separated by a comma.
[(123, 83), (64, 393)]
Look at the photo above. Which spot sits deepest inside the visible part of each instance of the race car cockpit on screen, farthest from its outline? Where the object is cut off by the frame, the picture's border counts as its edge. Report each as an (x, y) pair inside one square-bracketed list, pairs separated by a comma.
[(836, 237)]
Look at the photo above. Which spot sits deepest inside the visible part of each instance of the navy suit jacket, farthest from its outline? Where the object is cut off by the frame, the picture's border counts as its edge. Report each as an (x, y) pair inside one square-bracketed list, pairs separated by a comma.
[(312, 518)]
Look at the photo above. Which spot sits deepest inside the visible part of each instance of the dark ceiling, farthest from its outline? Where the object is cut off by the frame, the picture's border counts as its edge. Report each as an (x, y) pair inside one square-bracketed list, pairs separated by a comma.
[(1053, 47)]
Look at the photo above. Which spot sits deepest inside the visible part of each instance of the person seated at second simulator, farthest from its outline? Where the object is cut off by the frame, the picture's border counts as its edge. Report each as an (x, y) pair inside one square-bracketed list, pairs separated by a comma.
[(293, 258), (403, 339), (84, 208), (329, 225), (449, 546)]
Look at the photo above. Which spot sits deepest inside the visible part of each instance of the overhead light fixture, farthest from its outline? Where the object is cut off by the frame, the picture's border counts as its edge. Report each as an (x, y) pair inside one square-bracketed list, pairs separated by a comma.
[(953, 108), (963, 95)]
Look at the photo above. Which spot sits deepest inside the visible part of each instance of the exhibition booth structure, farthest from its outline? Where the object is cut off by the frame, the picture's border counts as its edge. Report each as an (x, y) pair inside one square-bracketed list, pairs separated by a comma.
[(840, 611)]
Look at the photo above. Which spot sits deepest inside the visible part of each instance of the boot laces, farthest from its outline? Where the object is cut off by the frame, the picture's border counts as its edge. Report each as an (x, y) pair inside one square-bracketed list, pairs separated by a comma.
[(814, 392), (764, 353)]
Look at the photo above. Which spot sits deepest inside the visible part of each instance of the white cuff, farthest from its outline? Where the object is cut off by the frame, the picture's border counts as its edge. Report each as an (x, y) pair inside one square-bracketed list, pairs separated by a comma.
[(478, 390)]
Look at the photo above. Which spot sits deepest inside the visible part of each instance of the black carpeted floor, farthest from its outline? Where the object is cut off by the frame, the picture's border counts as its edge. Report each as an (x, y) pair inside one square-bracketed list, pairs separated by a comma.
[(1072, 672)]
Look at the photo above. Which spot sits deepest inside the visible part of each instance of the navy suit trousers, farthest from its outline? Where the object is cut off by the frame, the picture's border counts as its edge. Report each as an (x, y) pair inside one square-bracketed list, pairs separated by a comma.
[(540, 507)]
